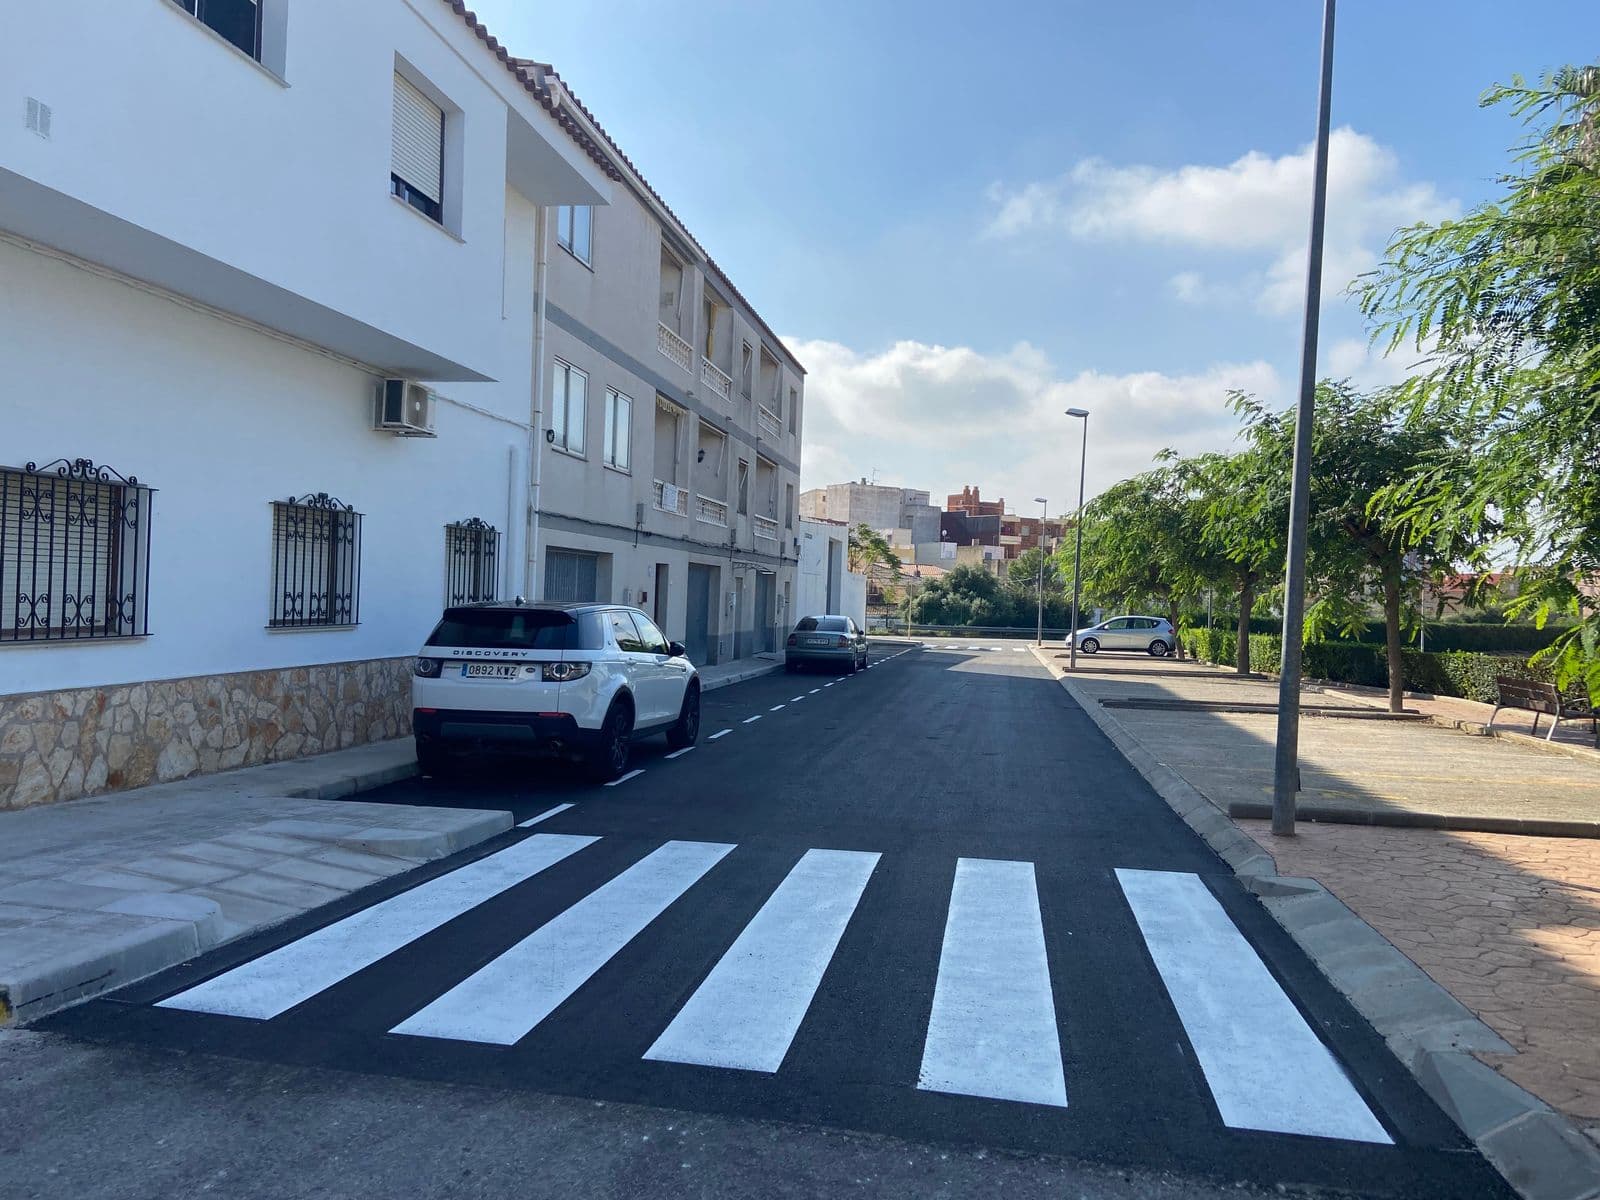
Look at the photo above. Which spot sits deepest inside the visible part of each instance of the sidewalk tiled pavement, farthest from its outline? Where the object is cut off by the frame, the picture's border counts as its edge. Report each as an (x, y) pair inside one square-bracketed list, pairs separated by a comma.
[(1510, 925)]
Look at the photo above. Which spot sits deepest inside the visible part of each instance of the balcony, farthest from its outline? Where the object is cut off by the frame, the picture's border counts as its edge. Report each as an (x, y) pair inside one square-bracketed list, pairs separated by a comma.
[(715, 378), (674, 347), (770, 423), (764, 527), (712, 512), (671, 498)]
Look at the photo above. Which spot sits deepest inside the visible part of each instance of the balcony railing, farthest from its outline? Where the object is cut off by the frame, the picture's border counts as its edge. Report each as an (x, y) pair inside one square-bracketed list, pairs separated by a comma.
[(715, 378), (770, 421), (765, 527), (674, 347), (672, 498), (712, 512)]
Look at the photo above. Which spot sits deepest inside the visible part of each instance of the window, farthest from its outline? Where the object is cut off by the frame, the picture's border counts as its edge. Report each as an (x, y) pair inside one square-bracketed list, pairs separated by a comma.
[(416, 158), (472, 561), (574, 231), (794, 409), (744, 487), (507, 629), (672, 289), (651, 639), (235, 21), (571, 577), (788, 506), (74, 553), (746, 369), (568, 407), (625, 633), (619, 429), (316, 563)]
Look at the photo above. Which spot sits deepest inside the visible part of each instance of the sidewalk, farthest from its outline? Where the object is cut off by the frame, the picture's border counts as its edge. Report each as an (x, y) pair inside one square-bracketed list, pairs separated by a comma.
[(1508, 925), (97, 893)]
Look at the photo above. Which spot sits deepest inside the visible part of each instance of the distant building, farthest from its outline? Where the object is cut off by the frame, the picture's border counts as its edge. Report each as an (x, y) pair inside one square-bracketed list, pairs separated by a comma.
[(882, 507), (969, 502)]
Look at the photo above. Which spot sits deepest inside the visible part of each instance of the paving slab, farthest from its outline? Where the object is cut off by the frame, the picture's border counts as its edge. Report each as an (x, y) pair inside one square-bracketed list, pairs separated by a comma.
[(97, 893)]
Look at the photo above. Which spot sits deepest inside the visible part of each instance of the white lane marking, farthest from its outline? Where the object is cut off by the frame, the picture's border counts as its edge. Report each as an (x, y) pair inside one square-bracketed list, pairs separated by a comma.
[(1019, 649), (719, 733), (679, 753), (749, 1008), (544, 816), (501, 1001), (830, 683), (637, 771), (274, 983), (747, 720), (992, 1031), (796, 699), (775, 708), (1265, 1066), (814, 691)]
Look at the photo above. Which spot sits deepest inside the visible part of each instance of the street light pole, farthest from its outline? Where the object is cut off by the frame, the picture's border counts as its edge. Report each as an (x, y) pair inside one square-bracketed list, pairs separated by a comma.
[(1044, 516), (1081, 414), (1286, 760)]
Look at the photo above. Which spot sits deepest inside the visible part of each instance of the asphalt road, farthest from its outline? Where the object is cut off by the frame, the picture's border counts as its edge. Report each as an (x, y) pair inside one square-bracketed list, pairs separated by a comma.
[(898, 929)]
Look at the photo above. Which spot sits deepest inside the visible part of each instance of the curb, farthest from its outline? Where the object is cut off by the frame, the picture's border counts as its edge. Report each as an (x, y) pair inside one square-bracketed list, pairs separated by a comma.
[(740, 676), (1431, 1032), (1260, 810)]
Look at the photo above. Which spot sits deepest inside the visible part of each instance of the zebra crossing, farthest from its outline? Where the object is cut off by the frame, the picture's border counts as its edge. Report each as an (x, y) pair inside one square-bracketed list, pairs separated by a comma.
[(995, 1031)]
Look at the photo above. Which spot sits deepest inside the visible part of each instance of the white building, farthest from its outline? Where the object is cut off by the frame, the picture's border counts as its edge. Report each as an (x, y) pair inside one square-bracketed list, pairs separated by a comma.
[(889, 510), (218, 238), (825, 582)]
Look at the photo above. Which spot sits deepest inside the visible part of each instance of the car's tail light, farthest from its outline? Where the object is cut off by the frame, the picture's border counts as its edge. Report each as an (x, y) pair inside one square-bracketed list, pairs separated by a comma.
[(793, 641), (565, 672), (844, 640), (427, 668)]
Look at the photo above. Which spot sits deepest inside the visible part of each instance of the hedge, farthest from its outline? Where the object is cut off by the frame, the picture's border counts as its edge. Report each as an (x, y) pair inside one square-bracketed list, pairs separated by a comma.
[(1484, 636), (1448, 673)]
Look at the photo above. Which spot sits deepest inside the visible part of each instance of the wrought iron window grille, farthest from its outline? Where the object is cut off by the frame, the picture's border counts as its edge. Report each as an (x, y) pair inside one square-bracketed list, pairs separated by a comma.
[(316, 563), (472, 561), (74, 553)]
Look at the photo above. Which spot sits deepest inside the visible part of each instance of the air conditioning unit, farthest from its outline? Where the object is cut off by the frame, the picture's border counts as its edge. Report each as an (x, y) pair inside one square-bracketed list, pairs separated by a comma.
[(403, 408)]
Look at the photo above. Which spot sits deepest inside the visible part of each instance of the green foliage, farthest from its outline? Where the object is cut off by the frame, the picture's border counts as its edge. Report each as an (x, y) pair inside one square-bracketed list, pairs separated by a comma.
[(1503, 302), (1142, 543), (869, 553), (1027, 568), (969, 595), (1210, 645), (1266, 653)]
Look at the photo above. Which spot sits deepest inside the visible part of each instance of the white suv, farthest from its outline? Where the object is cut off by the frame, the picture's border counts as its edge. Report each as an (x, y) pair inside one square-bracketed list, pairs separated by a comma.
[(581, 681)]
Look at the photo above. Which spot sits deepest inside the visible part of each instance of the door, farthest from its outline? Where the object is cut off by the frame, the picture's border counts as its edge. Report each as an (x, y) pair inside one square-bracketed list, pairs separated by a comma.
[(761, 615), (1118, 634), (668, 676), (640, 667), (697, 621), (658, 605)]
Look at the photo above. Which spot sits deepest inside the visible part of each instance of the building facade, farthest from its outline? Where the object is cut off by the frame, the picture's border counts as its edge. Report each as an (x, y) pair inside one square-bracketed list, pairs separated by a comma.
[(894, 511), (281, 372)]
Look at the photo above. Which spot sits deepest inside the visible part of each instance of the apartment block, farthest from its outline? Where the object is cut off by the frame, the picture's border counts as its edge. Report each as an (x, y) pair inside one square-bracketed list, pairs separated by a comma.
[(878, 506)]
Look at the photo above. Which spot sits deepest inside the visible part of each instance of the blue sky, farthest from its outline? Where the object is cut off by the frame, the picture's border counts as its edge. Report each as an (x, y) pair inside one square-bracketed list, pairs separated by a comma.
[(965, 217)]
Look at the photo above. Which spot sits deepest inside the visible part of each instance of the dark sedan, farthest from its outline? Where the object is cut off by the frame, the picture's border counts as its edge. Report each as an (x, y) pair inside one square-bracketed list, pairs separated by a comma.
[(827, 640)]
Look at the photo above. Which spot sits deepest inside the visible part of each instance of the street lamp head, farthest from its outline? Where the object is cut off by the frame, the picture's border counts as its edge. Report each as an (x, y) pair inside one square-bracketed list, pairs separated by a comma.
[(1077, 412), (1040, 500)]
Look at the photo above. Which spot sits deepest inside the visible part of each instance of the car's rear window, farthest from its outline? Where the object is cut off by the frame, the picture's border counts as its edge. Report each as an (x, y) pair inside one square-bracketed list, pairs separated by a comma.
[(825, 624), (506, 629)]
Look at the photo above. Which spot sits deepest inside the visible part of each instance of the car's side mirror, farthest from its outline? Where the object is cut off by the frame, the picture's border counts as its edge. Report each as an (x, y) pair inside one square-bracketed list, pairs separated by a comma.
[(677, 649)]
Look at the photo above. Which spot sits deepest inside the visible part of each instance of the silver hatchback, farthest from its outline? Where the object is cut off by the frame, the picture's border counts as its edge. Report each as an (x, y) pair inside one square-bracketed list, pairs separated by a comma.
[(1153, 635)]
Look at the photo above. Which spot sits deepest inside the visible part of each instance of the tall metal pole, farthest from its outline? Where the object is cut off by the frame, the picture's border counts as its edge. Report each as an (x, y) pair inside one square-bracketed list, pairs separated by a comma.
[(1286, 761), (1077, 553), (1044, 516)]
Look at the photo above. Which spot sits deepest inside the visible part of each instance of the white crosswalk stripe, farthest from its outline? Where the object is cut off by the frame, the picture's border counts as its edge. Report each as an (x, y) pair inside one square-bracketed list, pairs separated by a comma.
[(276, 982), (502, 1001), (1264, 1065), (747, 1011), (992, 1031)]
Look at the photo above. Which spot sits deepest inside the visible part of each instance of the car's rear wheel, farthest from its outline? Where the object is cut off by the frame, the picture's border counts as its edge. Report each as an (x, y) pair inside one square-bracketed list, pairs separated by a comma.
[(610, 758), (687, 730), (1159, 649), (1090, 646)]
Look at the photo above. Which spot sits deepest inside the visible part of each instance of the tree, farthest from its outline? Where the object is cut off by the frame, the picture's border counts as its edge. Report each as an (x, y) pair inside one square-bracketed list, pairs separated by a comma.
[(868, 548), (1142, 543), (1244, 499), (1028, 567), (1354, 546), (1505, 305)]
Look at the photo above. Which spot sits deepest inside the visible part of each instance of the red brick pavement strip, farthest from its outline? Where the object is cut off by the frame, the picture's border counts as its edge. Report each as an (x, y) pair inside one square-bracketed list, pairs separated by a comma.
[(1509, 925)]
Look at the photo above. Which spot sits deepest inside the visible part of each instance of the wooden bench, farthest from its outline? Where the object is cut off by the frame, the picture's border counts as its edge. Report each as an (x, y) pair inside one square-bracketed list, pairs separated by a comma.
[(1537, 698)]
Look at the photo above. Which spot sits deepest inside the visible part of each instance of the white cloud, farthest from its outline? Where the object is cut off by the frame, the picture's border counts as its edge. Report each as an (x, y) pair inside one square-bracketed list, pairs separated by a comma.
[(1256, 208), (940, 417)]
